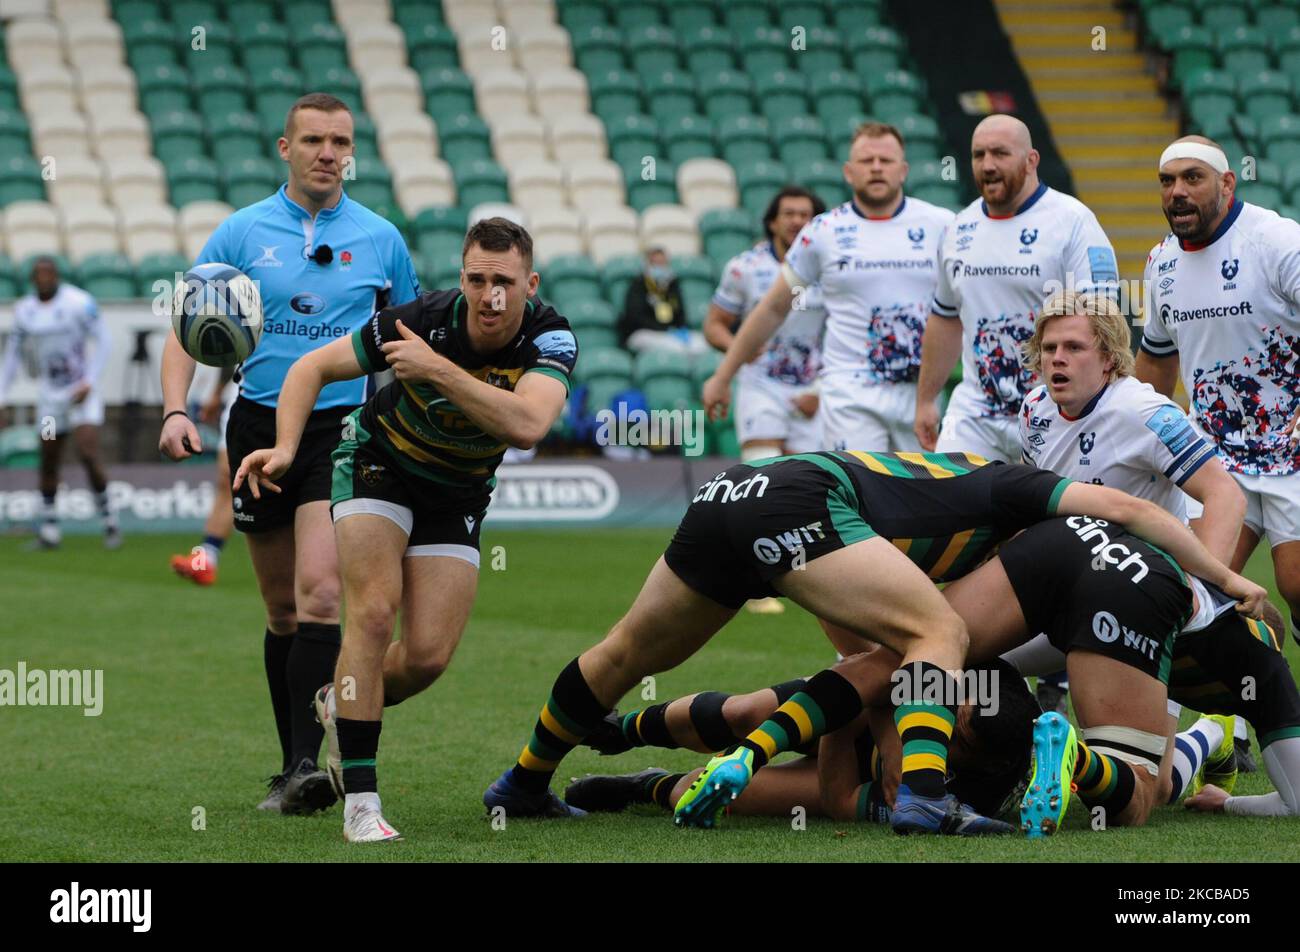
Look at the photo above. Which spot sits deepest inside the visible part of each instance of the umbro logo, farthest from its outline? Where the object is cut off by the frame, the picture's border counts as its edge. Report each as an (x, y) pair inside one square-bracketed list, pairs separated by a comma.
[(268, 259)]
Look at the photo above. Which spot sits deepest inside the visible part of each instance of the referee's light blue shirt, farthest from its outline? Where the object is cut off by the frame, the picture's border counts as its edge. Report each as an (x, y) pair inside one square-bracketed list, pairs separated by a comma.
[(306, 305)]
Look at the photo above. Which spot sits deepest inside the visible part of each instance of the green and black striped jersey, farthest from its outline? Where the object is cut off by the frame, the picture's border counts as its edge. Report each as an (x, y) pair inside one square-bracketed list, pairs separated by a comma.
[(948, 511), (417, 427)]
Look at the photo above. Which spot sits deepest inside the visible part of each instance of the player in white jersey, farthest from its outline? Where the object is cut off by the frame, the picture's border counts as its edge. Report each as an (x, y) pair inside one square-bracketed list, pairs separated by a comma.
[(1222, 296), (776, 401), (874, 258), (1092, 421), (51, 329), (1001, 256)]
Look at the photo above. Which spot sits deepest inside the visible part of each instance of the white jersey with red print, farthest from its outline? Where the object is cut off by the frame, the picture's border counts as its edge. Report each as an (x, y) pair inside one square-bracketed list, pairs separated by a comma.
[(1227, 309), (995, 273), (793, 355), (877, 278), (49, 338), (1128, 437)]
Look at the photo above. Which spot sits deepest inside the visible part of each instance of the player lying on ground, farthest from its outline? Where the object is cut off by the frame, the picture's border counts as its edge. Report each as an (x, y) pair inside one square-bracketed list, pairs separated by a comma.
[(847, 775), (478, 370), (1113, 604), (851, 538)]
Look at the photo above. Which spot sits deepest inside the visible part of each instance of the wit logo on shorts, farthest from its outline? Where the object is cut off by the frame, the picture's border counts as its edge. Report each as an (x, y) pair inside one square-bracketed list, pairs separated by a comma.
[(1107, 629), (103, 905), (768, 550), (1107, 552)]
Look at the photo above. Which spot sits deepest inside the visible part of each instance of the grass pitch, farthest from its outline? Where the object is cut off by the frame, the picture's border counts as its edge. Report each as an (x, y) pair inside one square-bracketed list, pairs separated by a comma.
[(186, 735)]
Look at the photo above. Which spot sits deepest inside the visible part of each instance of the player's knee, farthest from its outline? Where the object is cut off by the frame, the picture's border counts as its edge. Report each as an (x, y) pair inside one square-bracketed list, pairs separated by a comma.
[(427, 666), (281, 615), (372, 620), (318, 598), (745, 712)]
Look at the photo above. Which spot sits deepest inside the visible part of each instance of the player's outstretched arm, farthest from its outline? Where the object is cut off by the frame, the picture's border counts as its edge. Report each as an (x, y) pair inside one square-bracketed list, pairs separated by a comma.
[(1225, 508), (302, 386), (755, 331), (179, 438), (940, 348), (1155, 525)]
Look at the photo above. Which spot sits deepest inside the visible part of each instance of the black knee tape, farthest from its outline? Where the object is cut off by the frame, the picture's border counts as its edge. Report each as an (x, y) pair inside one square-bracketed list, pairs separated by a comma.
[(788, 689), (710, 723), (652, 726), (320, 633)]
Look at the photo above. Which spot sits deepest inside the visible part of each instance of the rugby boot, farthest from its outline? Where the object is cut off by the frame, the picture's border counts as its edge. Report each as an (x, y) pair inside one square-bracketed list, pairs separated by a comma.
[(517, 802), (1056, 748), (724, 779), (604, 793)]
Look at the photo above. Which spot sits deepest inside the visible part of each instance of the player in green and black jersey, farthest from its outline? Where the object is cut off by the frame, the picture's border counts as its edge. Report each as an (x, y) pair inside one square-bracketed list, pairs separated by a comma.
[(478, 369), (851, 537)]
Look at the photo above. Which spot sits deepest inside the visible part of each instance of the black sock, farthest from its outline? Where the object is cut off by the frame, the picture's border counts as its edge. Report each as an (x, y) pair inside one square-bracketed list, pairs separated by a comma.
[(311, 664), (359, 748), (649, 728), (710, 723), (275, 655), (660, 790)]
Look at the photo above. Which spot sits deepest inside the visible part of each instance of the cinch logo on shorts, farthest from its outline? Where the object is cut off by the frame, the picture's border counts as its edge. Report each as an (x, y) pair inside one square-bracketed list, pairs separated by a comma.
[(1107, 552), (732, 491)]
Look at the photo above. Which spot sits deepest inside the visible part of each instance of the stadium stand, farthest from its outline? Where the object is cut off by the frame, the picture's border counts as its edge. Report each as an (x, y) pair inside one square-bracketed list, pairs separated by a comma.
[(1231, 70)]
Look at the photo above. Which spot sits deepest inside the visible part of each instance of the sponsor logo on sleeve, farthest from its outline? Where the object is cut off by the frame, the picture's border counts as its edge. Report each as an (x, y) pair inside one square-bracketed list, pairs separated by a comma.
[(1171, 428), (1101, 262)]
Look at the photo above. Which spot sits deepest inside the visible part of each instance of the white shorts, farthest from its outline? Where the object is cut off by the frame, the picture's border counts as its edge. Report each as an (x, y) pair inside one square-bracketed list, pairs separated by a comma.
[(67, 416), (994, 438), (1272, 506), (765, 412), (860, 414)]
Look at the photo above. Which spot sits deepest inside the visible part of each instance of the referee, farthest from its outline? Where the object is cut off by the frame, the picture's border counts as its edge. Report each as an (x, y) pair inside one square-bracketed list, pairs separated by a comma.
[(324, 265)]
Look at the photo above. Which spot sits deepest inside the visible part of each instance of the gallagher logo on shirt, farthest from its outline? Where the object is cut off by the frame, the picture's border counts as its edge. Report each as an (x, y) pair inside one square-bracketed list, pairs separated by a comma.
[(1027, 237)]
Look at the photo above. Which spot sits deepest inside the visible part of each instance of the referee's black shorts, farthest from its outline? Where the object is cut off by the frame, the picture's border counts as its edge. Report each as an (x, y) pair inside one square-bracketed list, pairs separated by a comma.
[(252, 427)]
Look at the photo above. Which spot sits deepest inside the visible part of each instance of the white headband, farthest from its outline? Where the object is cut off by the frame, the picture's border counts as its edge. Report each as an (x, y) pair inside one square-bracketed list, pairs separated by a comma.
[(1210, 155)]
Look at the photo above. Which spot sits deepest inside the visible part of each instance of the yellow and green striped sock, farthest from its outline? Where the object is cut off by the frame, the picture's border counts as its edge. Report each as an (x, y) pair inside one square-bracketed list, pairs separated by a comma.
[(569, 714), (827, 702), (924, 726)]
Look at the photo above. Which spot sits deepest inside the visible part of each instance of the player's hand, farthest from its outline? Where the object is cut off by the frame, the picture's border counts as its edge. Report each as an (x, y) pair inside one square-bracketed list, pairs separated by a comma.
[(1250, 597), (80, 392), (1209, 798), (926, 426), (260, 467), (411, 358), (717, 397), (806, 403), (179, 439)]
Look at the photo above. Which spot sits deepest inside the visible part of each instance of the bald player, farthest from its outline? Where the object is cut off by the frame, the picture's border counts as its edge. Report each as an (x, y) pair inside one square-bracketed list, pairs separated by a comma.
[(1020, 241), (1222, 291), (874, 260)]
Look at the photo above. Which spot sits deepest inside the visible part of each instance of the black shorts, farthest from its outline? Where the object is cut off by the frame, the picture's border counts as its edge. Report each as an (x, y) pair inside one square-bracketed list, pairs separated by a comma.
[(437, 523), (1095, 587), (750, 524), (1235, 666), (252, 427)]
